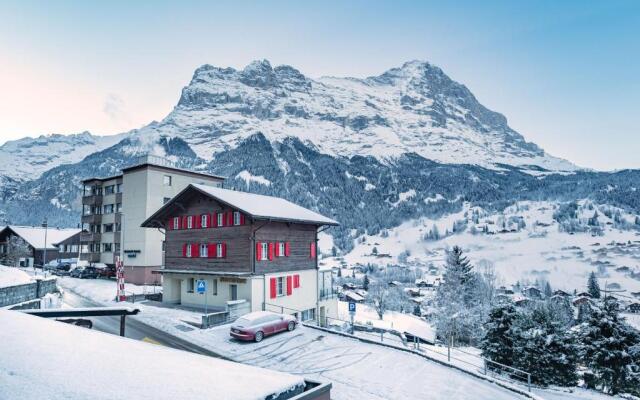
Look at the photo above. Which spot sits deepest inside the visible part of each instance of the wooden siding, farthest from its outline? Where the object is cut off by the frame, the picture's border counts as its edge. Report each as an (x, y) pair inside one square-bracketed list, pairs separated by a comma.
[(299, 235), (239, 240)]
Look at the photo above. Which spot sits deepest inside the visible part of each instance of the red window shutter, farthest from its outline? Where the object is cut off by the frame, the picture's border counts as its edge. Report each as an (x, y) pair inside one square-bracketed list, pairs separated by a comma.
[(229, 218), (184, 250), (296, 281), (241, 219), (211, 250), (277, 249), (313, 250), (258, 251), (224, 250), (287, 249), (270, 251), (184, 222), (209, 221), (289, 286), (170, 224), (273, 292), (214, 217), (195, 250), (197, 221)]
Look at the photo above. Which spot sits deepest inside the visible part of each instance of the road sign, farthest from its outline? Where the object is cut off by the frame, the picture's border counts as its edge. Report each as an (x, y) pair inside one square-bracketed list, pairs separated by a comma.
[(352, 307), (201, 286)]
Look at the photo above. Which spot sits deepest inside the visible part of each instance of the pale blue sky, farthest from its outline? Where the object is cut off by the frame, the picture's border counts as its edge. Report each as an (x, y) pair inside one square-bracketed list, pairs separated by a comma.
[(566, 74)]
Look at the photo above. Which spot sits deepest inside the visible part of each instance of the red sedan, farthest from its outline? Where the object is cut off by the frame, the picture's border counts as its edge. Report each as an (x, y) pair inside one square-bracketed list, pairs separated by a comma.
[(256, 325)]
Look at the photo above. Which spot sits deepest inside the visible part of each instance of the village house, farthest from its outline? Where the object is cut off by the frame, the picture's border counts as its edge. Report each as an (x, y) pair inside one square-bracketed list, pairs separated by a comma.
[(28, 246), (254, 252)]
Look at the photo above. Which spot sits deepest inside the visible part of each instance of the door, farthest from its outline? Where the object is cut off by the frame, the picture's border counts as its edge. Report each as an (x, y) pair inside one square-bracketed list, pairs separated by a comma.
[(234, 292), (322, 317)]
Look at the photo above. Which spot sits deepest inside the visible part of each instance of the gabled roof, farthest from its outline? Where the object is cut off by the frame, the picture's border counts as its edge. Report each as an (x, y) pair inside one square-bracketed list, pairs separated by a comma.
[(255, 205), (34, 235)]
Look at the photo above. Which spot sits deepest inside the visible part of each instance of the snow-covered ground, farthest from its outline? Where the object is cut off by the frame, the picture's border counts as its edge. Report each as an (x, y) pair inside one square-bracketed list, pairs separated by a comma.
[(68, 362), (356, 369), (10, 276), (538, 251)]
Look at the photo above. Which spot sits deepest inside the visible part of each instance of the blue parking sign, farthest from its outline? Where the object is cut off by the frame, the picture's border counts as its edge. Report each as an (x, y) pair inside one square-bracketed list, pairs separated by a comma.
[(352, 306), (201, 286)]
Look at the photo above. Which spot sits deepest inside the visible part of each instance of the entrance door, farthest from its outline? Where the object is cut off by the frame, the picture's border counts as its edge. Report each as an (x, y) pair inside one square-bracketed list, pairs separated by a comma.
[(234, 292)]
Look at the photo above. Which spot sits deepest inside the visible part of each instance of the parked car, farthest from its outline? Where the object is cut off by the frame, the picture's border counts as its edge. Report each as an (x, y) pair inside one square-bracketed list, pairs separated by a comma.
[(62, 269), (106, 272), (84, 273), (256, 325)]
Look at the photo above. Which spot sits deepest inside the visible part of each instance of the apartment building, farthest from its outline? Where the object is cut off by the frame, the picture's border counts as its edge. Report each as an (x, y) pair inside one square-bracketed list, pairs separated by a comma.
[(254, 252), (114, 208)]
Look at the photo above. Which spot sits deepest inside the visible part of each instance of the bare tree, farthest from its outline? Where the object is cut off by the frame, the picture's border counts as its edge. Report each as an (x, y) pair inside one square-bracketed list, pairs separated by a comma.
[(378, 297)]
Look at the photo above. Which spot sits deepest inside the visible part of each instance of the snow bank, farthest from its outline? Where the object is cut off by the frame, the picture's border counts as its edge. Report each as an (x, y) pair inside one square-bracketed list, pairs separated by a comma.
[(12, 276), (68, 362)]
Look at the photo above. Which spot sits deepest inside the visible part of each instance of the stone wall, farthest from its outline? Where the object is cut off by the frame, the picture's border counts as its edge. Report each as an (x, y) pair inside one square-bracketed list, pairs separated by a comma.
[(26, 292)]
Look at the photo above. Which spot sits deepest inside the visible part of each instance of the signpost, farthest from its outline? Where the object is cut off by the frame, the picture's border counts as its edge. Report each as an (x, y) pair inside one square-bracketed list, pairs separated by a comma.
[(120, 276), (201, 288), (352, 313)]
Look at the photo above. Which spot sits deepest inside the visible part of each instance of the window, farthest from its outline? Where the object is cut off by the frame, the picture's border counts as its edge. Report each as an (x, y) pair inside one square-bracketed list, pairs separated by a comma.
[(95, 228), (308, 314), (281, 249), (166, 200), (214, 287), (236, 218), (176, 222), (265, 251), (108, 208), (117, 247), (109, 189), (119, 188), (108, 227), (190, 285), (220, 219), (107, 247), (3, 248), (118, 227), (219, 250), (189, 222), (86, 209), (204, 250), (203, 221), (167, 180), (280, 286), (164, 245), (118, 207), (188, 250)]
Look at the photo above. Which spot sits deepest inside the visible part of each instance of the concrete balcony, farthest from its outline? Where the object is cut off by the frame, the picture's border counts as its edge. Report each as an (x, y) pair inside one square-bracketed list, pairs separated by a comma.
[(90, 237), (94, 219), (91, 257), (92, 200)]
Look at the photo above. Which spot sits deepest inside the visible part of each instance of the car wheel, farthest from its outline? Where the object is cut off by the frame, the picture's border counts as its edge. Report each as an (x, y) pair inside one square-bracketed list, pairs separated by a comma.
[(259, 336), (291, 326)]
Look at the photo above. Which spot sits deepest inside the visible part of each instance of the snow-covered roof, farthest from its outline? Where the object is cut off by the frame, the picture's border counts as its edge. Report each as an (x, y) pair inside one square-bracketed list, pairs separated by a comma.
[(353, 296), (34, 235), (60, 357), (258, 206), (10, 276)]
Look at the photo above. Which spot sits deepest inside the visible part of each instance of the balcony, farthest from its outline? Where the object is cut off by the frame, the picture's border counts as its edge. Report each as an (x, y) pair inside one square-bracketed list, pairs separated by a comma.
[(328, 293), (94, 219), (90, 237), (92, 200), (91, 257)]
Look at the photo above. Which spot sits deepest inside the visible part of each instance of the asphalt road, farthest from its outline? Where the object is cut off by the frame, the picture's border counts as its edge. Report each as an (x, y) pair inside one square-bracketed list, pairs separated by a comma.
[(134, 329)]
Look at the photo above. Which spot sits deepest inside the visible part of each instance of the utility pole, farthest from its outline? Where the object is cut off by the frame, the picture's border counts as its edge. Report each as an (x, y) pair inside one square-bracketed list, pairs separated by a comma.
[(44, 255)]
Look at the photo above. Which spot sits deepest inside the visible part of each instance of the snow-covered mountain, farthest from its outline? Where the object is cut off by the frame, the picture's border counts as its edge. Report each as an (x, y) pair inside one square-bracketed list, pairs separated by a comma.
[(414, 108), (27, 158)]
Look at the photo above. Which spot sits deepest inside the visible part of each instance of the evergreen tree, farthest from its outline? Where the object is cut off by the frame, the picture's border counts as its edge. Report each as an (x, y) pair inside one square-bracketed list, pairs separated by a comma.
[(497, 344), (548, 292), (543, 347), (610, 349), (417, 310), (365, 282), (592, 286), (339, 272), (353, 273)]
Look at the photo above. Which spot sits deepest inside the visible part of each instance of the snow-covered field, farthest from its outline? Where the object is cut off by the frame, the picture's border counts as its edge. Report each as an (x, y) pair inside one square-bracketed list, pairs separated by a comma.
[(538, 251)]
